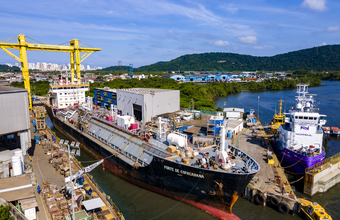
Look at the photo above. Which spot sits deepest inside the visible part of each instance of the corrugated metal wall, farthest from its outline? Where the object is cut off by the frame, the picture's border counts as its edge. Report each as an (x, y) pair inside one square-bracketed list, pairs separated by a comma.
[(14, 112)]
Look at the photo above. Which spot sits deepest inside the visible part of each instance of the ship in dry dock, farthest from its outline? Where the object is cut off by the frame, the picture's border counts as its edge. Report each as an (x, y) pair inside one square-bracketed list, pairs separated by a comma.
[(210, 178)]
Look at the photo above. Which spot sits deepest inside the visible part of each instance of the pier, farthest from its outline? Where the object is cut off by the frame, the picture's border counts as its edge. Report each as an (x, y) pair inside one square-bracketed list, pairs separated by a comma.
[(322, 176), (266, 187), (45, 172)]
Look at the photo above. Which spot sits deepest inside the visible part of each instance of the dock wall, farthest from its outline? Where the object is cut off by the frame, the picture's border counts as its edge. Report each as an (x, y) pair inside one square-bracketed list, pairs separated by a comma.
[(322, 179)]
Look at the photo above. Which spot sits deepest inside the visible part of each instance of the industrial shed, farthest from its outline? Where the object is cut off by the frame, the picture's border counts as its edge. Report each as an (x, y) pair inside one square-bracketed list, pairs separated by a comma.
[(14, 119), (146, 103)]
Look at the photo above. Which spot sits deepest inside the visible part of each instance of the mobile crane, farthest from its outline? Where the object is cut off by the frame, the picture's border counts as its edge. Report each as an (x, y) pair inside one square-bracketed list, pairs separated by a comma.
[(74, 49)]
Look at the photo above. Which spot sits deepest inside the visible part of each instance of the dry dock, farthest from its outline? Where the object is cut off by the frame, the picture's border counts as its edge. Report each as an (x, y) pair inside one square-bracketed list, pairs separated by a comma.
[(266, 186), (322, 176)]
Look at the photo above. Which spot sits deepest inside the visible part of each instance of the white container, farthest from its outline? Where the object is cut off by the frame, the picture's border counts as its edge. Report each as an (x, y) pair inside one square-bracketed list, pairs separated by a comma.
[(16, 166), (125, 120), (177, 140)]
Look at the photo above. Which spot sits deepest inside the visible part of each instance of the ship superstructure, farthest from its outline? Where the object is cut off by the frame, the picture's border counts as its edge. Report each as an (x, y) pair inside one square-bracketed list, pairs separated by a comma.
[(300, 139), (65, 94)]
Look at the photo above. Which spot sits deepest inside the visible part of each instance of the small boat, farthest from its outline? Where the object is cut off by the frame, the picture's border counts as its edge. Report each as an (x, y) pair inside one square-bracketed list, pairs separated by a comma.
[(313, 210), (335, 131), (326, 130)]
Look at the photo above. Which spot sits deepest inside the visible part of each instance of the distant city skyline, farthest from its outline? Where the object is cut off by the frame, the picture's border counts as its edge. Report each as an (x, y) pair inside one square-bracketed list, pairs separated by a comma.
[(52, 66), (149, 31)]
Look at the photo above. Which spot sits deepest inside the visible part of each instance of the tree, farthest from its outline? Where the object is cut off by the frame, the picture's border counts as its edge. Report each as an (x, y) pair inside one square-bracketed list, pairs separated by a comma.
[(4, 213)]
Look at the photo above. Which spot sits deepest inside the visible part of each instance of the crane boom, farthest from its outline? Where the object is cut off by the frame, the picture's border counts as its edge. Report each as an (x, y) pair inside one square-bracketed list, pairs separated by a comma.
[(74, 49), (86, 170)]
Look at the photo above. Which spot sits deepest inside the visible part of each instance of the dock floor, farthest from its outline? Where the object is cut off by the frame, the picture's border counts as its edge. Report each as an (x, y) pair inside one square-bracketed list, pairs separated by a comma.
[(270, 177)]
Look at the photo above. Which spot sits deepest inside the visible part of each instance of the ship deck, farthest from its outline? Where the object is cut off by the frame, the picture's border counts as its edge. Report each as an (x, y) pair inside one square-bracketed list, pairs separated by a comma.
[(209, 152), (133, 149)]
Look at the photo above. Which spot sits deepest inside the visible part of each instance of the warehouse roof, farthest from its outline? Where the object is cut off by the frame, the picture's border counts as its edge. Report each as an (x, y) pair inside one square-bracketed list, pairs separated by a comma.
[(10, 89), (16, 188), (146, 90)]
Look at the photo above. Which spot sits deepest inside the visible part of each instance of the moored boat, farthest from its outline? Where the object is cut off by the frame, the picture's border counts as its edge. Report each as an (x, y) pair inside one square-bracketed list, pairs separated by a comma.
[(313, 210), (335, 131), (279, 119), (300, 142), (326, 130), (210, 178)]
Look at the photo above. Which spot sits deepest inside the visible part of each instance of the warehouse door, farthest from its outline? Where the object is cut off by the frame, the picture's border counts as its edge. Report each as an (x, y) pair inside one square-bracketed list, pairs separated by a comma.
[(137, 111)]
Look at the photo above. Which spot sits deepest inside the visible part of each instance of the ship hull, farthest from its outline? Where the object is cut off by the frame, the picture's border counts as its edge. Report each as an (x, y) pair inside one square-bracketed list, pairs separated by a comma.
[(296, 162), (209, 190)]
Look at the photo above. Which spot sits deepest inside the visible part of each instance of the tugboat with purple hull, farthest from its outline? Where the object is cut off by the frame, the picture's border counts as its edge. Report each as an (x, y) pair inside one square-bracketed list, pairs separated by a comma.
[(299, 145)]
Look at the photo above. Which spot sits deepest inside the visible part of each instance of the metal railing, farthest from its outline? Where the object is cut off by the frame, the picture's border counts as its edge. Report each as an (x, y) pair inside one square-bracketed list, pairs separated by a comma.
[(108, 198), (324, 164)]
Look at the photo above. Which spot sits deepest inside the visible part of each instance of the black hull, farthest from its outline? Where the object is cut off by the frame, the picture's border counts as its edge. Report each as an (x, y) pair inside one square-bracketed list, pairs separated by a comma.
[(195, 186)]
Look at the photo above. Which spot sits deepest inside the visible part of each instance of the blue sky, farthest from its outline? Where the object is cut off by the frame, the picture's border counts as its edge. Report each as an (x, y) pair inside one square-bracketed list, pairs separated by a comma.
[(143, 32)]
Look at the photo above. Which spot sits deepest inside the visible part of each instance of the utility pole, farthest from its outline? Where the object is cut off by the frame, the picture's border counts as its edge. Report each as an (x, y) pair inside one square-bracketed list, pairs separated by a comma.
[(193, 105), (258, 107), (119, 67)]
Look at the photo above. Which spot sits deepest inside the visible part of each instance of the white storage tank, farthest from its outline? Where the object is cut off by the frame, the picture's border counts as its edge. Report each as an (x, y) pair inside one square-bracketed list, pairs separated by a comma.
[(176, 140), (19, 153), (16, 165)]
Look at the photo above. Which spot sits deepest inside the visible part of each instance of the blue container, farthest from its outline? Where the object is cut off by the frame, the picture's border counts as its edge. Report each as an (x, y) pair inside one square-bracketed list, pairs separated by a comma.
[(34, 123), (37, 138), (34, 130), (228, 134), (80, 182)]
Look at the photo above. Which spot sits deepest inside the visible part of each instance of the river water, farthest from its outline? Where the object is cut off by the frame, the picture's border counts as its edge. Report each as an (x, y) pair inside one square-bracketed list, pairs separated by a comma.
[(137, 203)]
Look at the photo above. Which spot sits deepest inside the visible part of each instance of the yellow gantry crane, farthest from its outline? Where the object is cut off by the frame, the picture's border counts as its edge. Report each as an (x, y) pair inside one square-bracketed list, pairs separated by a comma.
[(74, 49)]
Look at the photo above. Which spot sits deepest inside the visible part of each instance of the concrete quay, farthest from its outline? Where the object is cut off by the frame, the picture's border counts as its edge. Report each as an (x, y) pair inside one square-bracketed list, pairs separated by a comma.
[(266, 187), (322, 176), (44, 170)]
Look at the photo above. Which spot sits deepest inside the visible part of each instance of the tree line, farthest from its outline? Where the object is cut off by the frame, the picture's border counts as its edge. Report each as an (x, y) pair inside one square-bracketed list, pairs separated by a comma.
[(323, 58), (202, 94)]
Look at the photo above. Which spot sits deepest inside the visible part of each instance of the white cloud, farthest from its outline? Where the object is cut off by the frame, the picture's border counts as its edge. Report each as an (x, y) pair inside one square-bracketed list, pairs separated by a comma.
[(323, 44), (221, 43), (230, 7), (238, 29), (335, 28), (195, 12), (318, 5), (265, 47), (248, 39)]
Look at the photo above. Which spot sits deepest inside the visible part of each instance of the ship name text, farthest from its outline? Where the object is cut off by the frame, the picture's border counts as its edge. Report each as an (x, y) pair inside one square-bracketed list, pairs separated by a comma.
[(183, 172)]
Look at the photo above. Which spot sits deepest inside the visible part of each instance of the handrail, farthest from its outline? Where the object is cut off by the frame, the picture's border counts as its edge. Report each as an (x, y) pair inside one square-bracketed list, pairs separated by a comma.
[(108, 198), (324, 164)]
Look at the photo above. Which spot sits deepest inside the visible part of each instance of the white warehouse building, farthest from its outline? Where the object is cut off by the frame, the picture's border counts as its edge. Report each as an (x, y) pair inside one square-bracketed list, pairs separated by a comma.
[(145, 103)]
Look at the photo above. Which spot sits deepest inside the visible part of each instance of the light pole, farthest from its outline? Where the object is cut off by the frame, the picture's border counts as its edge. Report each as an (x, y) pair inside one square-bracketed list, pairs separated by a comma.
[(152, 93), (71, 182), (258, 107)]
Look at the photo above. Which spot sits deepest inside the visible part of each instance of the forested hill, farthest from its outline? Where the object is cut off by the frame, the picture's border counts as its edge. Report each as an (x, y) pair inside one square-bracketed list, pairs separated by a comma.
[(323, 58), (8, 68)]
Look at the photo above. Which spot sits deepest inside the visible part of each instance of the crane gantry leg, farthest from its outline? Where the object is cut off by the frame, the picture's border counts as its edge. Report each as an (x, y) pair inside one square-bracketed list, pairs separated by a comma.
[(72, 67), (24, 67)]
